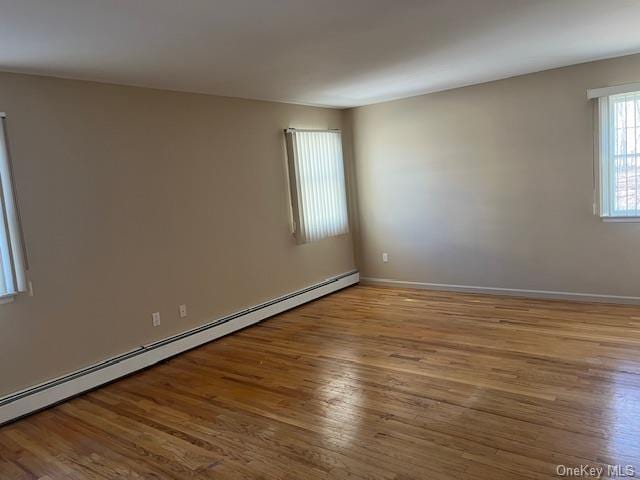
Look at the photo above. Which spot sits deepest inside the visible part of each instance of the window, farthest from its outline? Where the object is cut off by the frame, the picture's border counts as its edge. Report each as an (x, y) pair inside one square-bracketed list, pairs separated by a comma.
[(12, 261), (316, 177), (619, 139)]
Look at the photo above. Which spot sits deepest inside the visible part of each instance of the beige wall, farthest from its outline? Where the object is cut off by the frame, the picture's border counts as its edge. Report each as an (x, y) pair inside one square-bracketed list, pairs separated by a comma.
[(491, 185), (136, 200)]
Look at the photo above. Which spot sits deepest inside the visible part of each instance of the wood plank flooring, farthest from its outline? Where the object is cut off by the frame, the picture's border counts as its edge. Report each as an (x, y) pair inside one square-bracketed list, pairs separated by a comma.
[(368, 383)]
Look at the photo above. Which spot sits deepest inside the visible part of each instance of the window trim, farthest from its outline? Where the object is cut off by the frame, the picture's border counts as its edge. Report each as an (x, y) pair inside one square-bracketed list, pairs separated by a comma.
[(627, 219)]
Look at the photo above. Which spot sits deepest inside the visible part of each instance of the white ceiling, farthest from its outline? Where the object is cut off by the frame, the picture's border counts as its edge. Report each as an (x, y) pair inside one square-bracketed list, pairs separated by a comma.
[(326, 52)]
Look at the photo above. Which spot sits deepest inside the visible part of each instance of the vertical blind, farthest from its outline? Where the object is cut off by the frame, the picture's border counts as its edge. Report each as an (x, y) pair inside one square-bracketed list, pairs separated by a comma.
[(316, 174), (12, 259)]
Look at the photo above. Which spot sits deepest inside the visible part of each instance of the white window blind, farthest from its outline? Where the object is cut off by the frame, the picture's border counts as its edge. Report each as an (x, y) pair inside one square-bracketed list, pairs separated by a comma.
[(619, 170), (12, 260), (318, 191)]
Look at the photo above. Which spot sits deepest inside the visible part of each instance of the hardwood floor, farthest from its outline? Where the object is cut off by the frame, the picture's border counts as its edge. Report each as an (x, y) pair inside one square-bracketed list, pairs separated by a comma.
[(368, 383)]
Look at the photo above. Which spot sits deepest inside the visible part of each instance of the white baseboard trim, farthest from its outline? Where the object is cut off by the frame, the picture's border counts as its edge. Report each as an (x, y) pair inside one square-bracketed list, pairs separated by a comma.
[(513, 292), (36, 398)]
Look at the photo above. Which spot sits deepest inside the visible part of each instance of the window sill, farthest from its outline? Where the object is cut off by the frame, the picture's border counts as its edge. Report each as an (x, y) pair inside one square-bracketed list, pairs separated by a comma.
[(621, 219), (7, 298)]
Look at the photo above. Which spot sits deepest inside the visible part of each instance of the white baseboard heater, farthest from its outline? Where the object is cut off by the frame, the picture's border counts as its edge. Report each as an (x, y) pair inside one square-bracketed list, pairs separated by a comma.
[(30, 400)]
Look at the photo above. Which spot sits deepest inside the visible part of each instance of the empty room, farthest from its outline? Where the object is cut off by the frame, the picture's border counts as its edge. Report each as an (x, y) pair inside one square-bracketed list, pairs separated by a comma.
[(319, 239)]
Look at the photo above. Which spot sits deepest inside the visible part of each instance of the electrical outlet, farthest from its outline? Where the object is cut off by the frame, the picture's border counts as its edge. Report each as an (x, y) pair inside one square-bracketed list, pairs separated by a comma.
[(385, 257), (182, 310), (155, 319)]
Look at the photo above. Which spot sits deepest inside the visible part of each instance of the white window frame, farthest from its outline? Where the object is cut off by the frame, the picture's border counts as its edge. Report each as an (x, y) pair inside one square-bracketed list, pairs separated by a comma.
[(605, 183), (317, 181)]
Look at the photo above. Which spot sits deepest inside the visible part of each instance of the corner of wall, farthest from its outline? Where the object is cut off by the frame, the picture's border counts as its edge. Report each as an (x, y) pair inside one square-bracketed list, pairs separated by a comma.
[(352, 183)]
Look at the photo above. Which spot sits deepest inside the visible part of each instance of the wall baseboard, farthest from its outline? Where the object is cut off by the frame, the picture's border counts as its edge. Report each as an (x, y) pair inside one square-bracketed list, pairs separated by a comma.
[(513, 292), (54, 391)]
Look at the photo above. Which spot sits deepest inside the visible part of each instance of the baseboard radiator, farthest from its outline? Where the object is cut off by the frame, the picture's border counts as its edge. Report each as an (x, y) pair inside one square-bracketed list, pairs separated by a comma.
[(33, 399)]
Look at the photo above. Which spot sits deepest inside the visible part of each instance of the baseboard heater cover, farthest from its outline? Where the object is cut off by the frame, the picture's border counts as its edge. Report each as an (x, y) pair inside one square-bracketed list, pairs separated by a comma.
[(33, 399)]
